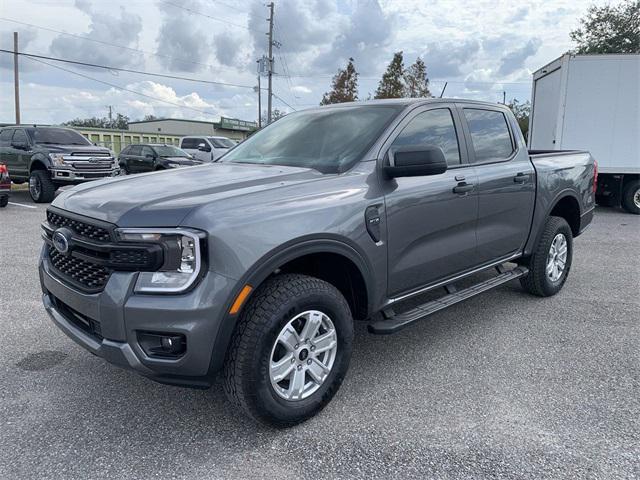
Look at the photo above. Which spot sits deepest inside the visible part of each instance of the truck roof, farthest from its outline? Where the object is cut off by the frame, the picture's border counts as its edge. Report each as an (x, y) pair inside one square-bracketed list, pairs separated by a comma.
[(409, 101)]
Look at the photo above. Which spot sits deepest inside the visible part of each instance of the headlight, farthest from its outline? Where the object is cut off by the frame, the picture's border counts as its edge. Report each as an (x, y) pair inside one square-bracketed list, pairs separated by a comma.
[(174, 165), (182, 258), (57, 158)]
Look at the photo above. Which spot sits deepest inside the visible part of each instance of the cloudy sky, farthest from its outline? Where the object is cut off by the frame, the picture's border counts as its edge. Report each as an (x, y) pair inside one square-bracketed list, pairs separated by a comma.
[(481, 48)]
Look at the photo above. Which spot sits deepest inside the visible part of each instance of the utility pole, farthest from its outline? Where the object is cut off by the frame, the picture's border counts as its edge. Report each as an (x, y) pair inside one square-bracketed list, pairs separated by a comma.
[(110, 113), (259, 103), (504, 97), (270, 71), (16, 80)]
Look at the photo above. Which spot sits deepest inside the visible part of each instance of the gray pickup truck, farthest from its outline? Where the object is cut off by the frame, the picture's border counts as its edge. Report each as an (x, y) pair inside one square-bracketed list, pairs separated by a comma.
[(258, 264), (51, 157)]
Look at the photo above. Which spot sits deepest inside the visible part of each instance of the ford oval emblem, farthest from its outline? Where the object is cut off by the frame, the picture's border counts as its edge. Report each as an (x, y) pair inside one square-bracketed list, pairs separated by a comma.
[(60, 242)]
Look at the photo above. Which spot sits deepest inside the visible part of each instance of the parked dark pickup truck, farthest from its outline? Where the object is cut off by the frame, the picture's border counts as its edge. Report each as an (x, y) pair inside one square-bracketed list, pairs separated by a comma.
[(258, 264), (50, 157)]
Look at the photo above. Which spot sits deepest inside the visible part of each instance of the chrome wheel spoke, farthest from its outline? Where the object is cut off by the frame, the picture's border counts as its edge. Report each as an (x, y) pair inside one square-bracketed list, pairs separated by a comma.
[(289, 338), (324, 342), (296, 386), (318, 371), (283, 367), (311, 326)]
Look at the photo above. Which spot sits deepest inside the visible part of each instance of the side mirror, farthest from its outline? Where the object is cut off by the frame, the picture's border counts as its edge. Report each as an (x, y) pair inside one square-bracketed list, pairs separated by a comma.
[(203, 148), (415, 161)]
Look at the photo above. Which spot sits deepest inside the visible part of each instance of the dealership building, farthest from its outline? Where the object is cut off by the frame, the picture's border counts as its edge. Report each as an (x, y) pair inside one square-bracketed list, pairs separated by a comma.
[(227, 127)]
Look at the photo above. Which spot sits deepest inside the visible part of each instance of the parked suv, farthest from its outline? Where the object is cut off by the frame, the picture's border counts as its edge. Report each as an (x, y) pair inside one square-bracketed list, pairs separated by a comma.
[(49, 157), (5, 185), (206, 149), (259, 263), (152, 157)]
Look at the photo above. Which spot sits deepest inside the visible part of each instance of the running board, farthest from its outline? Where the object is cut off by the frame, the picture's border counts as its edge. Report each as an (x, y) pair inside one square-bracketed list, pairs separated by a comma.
[(395, 322)]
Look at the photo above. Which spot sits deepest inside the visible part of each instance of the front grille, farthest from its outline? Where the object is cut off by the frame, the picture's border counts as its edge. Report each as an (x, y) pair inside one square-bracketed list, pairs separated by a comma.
[(89, 166), (81, 228), (80, 272), (88, 325), (130, 257), (90, 154)]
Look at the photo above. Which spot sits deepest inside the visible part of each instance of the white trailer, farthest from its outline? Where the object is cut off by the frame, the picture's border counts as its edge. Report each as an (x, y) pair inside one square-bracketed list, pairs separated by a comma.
[(591, 102)]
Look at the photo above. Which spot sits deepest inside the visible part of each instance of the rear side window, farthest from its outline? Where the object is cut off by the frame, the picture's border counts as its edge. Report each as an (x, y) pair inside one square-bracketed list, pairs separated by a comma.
[(125, 151), (489, 134), (192, 142), (433, 127), (5, 137)]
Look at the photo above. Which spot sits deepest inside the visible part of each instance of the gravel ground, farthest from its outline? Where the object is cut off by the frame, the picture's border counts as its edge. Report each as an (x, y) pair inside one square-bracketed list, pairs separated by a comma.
[(504, 385)]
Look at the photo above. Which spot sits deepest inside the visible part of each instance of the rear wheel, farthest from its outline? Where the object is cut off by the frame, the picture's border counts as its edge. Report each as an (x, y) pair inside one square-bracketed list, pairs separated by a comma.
[(290, 350), (41, 187), (631, 197), (551, 261), (4, 201)]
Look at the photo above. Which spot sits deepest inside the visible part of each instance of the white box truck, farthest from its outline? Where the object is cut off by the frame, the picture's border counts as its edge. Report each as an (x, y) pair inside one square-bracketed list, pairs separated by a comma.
[(591, 102)]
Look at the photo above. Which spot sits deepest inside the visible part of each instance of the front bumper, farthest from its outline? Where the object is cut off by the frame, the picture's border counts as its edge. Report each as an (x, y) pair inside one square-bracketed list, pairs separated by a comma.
[(120, 315), (76, 176)]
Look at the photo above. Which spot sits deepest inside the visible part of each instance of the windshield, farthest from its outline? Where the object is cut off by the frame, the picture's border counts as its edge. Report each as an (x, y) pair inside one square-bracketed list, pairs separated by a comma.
[(169, 151), (329, 140), (221, 142), (57, 136)]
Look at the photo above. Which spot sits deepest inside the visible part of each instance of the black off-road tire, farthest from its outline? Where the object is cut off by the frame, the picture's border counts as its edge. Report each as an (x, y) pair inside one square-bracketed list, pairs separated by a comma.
[(47, 190), (246, 370), (629, 193), (124, 169), (4, 201), (537, 282)]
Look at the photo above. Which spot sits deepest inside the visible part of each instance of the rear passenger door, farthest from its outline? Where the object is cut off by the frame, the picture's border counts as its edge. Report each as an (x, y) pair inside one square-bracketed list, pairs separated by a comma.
[(506, 181), (133, 158), (431, 226)]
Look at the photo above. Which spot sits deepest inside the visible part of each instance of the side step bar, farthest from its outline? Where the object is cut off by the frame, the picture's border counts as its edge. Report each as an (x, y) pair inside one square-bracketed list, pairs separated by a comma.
[(396, 322)]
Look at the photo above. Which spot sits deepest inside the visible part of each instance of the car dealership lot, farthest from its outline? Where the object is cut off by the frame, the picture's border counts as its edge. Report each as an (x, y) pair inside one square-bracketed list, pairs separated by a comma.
[(504, 385)]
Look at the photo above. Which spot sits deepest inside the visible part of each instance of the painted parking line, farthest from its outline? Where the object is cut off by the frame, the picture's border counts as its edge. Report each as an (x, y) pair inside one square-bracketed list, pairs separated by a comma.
[(21, 205)]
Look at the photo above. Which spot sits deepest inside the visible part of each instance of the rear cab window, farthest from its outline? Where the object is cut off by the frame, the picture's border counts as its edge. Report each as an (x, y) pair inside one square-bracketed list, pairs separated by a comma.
[(5, 137), (19, 136), (490, 135)]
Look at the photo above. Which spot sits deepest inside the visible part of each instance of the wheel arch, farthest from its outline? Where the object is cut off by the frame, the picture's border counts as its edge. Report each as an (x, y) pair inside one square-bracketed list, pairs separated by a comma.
[(38, 163), (567, 206), (303, 256)]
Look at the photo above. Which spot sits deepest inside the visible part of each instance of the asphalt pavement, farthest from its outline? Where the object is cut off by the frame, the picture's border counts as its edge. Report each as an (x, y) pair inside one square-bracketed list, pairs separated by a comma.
[(504, 385)]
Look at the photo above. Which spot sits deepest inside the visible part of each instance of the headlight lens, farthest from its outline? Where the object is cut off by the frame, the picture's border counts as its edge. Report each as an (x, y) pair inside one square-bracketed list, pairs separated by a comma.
[(57, 158), (182, 258), (174, 165)]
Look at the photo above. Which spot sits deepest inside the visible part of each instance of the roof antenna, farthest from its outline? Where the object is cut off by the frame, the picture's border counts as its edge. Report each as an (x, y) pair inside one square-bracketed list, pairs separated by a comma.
[(443, 89)]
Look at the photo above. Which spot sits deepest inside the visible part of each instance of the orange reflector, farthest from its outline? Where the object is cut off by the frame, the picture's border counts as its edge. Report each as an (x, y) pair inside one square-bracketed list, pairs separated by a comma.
[(242, 296)]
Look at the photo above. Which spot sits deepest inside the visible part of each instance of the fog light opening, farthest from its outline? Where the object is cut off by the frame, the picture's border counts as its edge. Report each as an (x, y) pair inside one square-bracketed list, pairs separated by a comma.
[(167, 345)]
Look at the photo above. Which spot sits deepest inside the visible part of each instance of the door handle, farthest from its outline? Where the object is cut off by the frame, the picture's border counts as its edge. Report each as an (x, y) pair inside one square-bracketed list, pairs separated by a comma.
[(521, 177), (463, 188)]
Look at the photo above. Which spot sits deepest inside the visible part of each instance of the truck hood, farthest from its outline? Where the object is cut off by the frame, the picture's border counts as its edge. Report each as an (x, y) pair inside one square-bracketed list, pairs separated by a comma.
[(165, 198), (88, 149)]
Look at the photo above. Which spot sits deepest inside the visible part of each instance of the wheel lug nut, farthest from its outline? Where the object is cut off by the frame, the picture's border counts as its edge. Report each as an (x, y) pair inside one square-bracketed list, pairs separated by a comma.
[(297, 346), (299, 367), (293, 360), (309, 362), (313, 347)]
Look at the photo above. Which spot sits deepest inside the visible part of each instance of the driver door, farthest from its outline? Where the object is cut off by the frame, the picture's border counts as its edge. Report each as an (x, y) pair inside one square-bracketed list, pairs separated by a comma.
[(431, 221)]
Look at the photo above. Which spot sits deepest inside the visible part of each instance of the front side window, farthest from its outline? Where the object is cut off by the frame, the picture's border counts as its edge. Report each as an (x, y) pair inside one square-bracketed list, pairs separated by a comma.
[(147, 152), (328, 139), (19, 136), (170, 151), (489, 134), (433, 127), (135, 150)]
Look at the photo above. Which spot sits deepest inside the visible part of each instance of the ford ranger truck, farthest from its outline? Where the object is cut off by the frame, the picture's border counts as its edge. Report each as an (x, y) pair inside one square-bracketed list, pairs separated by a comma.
[(258, 265), (51, 157)]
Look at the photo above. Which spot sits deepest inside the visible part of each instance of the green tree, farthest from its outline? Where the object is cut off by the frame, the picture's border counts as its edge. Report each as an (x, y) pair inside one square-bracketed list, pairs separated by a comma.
[(344, 87), (275, 115), (609, 29), (416, 81), (521, 111), (121, 122), (392, 83)]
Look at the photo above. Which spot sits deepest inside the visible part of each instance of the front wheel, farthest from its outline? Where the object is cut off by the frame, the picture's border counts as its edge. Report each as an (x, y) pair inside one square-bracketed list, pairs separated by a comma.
[(4, 201), (290, 350), (551, 261), (41, 187), (631, 197)]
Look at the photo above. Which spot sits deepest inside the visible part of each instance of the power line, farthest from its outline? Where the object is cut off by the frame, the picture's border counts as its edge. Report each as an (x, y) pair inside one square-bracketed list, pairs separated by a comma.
[(195, 12), (128, 70), (120, 87), (280, 98), (88, 39)]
